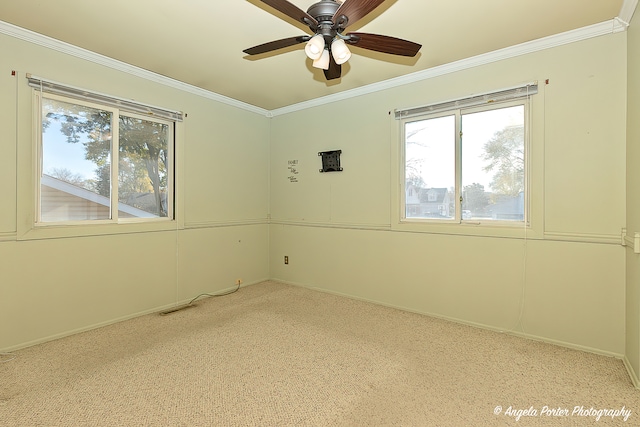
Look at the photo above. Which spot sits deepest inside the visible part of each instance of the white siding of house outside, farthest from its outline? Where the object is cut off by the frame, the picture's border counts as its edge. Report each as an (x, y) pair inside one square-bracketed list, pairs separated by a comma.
[(62, 201)]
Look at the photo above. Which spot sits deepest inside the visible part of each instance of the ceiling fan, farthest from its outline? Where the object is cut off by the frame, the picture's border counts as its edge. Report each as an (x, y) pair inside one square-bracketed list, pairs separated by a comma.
[(327, 20)]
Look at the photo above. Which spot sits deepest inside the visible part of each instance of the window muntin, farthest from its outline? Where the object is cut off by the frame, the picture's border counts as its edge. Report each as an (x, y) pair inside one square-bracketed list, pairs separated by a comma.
[(487, 148), (94, 168)]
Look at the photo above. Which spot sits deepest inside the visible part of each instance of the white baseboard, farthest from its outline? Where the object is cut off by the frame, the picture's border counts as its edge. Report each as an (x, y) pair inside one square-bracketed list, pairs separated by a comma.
[(466, 322), (632, 374)]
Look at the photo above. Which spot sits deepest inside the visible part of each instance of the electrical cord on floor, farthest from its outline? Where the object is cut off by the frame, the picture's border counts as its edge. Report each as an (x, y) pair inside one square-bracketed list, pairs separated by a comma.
[(6, 357), (216, 295), (189, 304)]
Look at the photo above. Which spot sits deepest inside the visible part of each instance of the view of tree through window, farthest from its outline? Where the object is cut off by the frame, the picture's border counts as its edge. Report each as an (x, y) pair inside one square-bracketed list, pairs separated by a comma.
[(488, 145), (142, 170), (493, 164), (78, 154)]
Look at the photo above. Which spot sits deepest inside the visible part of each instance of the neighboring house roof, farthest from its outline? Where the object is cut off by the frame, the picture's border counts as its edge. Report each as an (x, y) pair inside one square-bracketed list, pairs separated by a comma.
[(85, 194), (433, 195), (420, 195)]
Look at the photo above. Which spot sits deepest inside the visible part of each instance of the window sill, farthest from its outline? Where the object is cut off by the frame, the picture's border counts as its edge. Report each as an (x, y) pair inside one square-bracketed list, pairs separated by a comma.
[(468, 228), (61, 231)]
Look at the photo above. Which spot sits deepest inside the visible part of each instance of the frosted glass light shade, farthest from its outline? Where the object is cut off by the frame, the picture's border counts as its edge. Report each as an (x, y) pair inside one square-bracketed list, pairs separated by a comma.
[(340, 51), (323, 61), (315, 47)]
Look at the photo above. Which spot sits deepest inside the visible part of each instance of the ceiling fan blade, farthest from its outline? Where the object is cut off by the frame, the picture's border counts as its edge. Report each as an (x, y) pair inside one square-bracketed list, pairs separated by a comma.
[(292, 11), (275, 45), (384, 44), (334, 71), (356, 9)]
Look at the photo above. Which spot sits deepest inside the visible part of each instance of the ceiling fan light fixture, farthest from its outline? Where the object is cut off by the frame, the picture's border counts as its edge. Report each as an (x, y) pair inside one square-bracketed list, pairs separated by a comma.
[(323, 60), (315, 47), (327, 20), (340, 51)]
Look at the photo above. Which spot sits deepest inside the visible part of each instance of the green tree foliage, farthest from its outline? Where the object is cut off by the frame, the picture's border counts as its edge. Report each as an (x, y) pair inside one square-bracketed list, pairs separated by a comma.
[(143, 144), (504, 154), (143, 148), (89, 127), (474, 197)]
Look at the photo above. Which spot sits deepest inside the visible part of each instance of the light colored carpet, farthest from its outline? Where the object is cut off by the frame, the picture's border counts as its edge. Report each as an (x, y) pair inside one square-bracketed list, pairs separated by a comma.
[(278, 355)]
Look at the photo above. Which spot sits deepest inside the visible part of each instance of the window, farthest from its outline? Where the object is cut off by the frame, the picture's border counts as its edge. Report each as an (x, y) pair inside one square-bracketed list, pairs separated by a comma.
[(101, 163), (465, 161)]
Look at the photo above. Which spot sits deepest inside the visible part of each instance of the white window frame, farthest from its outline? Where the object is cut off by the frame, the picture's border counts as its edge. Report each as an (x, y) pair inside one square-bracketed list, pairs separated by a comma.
[(171, 132), (459, 114), (517, 96), (28, 103), (114, 200), (403, 177)]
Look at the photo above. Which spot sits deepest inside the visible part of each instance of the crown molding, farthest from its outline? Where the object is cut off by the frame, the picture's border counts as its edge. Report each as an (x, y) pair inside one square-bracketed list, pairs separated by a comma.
[(78, 52), (626, 11), (595, 30), (608, 27)]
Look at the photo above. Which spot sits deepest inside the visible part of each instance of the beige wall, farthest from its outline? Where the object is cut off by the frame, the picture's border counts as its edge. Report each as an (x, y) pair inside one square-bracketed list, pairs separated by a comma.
[(632, 352), (562, 280), (57, 282)]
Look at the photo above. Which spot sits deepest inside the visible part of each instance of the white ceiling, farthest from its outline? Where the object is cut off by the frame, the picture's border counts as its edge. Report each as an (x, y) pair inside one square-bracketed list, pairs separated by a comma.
[(200, 42)]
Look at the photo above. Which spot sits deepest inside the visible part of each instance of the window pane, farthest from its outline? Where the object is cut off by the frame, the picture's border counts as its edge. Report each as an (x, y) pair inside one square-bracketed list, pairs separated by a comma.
[(75, 183), (493, 164), (430, 168), (142, 168)]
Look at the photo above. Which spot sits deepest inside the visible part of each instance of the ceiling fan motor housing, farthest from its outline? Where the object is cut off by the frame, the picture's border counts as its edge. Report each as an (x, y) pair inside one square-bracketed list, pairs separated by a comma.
[(323, 12)]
